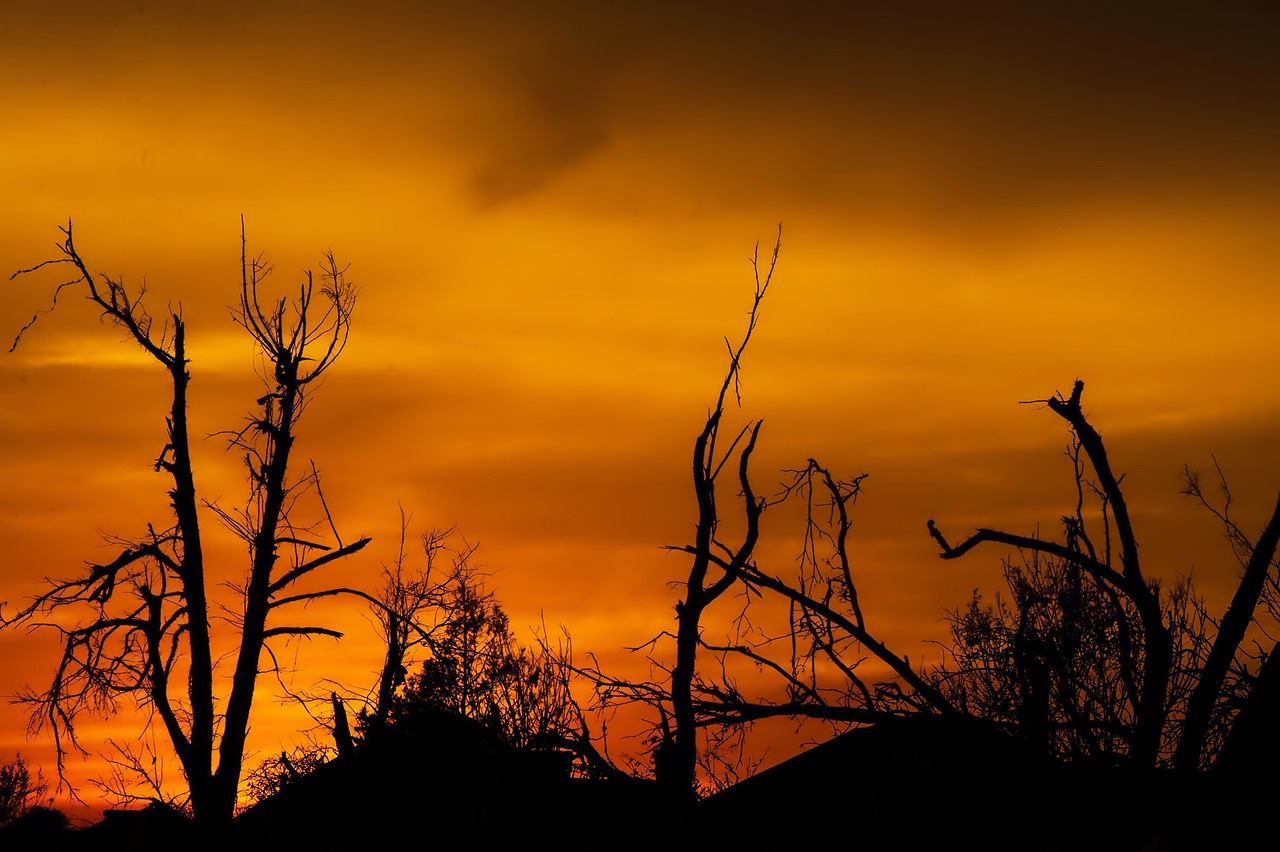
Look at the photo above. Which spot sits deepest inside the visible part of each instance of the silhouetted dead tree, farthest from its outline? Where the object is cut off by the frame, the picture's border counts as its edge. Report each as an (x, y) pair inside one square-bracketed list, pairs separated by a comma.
[(407, 611), (715, 569), (1093, 659), (141, 623), (701, 718)]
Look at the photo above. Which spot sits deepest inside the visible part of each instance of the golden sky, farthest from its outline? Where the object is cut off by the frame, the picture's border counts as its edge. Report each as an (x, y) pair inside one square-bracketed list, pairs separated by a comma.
[(549, 209)]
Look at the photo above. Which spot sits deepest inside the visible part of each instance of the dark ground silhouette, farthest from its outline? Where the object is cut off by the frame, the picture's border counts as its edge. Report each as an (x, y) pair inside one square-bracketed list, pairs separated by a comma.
[(923, 782)]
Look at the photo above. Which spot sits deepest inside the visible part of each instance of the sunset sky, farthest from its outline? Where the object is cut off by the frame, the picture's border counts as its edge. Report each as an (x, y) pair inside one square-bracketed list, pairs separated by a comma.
[(549, 209)]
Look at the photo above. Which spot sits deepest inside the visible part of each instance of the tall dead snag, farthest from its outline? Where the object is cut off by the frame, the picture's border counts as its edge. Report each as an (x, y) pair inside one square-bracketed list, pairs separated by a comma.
[(142, 626), (1165, 678), (676, 763), (1151, 684), (811, 624), (680, 697)]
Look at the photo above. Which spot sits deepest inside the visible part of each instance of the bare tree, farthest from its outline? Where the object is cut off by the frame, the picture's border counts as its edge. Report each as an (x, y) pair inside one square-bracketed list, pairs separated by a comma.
[(1156, 688), (143, 622), (406, 612), (701, 714)]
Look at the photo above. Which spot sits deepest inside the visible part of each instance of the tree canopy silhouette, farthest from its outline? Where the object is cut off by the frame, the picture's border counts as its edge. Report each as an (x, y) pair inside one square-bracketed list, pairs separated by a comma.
[(20, 791), (474, 666)]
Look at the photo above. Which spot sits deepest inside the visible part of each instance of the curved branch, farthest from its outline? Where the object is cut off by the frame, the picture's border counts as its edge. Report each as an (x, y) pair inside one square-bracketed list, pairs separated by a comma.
[(1098, 570)]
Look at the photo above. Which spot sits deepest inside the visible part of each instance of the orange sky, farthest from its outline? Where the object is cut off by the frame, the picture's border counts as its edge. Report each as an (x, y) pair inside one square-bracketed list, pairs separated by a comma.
[(549, 209)]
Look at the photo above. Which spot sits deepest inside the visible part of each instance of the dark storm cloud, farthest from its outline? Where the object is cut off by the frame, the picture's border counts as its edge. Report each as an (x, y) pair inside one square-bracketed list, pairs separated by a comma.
[(558, 118), (983, 107)]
